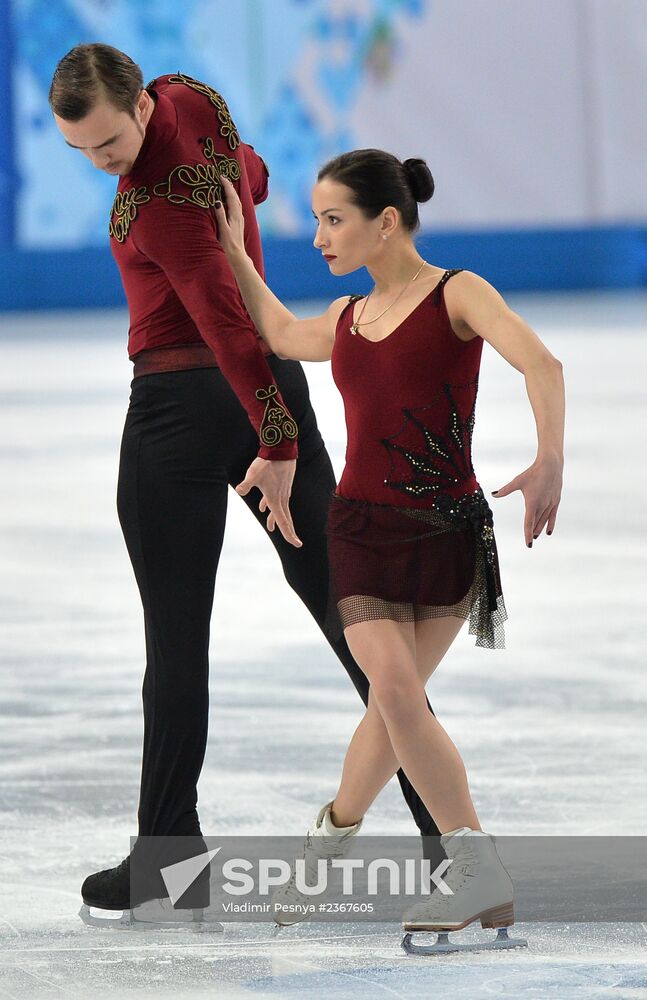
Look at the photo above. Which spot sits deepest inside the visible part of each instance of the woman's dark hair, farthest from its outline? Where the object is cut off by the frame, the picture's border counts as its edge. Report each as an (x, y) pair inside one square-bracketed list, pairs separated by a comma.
[(378, 179), (89, 72)]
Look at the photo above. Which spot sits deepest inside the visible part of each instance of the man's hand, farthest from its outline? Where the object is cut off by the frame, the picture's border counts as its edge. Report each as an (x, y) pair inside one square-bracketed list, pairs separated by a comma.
[(274, 480)]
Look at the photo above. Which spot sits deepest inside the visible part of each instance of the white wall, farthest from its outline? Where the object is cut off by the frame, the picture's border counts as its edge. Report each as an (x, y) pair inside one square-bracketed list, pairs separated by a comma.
[(530, 112)]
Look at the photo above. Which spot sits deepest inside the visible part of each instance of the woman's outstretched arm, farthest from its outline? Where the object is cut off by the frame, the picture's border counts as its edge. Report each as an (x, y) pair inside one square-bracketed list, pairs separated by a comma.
[(473, 304), (289, 337)]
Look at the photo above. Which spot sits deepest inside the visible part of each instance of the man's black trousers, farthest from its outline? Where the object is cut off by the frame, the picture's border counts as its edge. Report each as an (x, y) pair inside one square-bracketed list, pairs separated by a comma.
[(186, 440)]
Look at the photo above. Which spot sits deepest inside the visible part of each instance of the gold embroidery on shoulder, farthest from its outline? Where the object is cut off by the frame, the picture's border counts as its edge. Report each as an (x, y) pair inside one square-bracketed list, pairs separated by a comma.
[(277, 422), (227, 128), (124, 211), (201, 184), (227, 165)]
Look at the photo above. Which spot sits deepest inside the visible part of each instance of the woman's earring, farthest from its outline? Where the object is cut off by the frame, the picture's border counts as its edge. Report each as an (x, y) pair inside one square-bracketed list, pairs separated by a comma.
[(384, 236)]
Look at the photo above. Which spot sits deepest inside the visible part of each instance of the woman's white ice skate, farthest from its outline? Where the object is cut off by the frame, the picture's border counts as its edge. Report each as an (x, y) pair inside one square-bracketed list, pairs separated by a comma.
[(323, 841), (481, 890)]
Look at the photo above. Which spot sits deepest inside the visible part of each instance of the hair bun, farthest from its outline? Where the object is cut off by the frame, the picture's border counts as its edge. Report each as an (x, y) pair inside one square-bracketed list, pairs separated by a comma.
[(419, 178)]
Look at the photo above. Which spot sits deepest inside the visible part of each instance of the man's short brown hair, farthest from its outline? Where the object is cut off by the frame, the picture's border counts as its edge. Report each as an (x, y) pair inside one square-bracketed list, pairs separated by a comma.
[(89, 73)]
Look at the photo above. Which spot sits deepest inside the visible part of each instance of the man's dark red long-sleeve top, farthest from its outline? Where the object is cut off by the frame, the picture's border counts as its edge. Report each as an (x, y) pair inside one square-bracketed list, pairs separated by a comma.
[(178, 283)]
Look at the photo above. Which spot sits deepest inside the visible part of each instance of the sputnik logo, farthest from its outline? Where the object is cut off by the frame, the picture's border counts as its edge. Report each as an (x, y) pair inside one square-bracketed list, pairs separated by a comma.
[(181, 875)]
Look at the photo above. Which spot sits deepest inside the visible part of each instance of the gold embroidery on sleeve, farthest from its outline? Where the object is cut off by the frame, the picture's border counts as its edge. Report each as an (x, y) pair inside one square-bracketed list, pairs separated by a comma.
[(201, 183), (277, 422), (227, 128), (124, 211), (227, 165)]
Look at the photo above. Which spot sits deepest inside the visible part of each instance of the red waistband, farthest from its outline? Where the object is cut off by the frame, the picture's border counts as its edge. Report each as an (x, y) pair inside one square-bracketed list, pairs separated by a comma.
[(173, 359)]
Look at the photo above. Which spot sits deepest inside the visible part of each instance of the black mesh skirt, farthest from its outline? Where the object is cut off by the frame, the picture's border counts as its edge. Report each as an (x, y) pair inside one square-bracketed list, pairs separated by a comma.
[(409, 564)]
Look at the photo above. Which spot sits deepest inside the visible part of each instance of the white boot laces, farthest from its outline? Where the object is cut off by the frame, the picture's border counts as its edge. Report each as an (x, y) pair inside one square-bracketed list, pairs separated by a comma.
[(461, 867), (332, 847)]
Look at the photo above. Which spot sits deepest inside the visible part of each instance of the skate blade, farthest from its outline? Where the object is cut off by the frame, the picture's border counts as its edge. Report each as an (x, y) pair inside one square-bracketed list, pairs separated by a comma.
[(141, 918), (283, 922), (443, 946)]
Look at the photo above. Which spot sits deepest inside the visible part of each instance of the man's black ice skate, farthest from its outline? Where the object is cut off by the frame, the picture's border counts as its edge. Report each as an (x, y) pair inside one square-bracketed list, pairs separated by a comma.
[(143, 902)]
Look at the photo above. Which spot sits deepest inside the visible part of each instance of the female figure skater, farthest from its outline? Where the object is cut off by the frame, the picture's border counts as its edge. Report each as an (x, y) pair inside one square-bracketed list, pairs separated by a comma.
[(412, 549)]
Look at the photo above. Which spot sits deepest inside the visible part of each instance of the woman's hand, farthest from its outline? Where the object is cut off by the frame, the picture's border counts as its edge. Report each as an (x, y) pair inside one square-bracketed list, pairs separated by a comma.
[(541, 485), (230, 219)]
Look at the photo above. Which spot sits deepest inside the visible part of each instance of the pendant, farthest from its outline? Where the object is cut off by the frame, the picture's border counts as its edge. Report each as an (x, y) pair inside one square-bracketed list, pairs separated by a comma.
[(353, 329)]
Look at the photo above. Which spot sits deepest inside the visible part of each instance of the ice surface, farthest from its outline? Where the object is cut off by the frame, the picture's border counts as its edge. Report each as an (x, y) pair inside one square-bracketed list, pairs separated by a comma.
[(551, 729)]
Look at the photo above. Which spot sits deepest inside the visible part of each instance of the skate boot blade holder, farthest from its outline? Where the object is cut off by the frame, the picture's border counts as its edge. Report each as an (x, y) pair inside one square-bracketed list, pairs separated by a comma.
[(153, 915), (443, 946)]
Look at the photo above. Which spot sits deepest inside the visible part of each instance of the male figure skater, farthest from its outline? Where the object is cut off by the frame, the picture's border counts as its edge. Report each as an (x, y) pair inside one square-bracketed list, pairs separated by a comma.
[(210, 407)]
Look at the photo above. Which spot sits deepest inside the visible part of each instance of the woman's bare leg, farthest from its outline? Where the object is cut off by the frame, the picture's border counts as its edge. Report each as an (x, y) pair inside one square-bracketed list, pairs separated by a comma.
[(370, 762), (433, 765), (368, 766)]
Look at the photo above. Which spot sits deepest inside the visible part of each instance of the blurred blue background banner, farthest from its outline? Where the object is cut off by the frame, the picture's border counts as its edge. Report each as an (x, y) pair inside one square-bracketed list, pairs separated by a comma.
[(529, 115), (8, 187)]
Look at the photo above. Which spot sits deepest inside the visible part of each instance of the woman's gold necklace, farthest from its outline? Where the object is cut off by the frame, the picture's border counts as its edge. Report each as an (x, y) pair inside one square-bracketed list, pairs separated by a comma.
[(355, 326)]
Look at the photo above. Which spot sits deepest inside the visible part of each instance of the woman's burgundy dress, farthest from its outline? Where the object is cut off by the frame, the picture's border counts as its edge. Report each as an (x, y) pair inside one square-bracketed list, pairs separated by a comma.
[(410, 532)]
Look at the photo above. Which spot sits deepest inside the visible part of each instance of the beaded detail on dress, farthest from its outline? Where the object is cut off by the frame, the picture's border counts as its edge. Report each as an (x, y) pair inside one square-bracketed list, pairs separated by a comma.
[(443, 281), (487, 612), (440, 459)]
